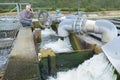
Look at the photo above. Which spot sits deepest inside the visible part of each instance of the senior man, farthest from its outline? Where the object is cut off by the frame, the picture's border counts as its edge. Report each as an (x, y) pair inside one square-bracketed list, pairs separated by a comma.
[(26, 16)]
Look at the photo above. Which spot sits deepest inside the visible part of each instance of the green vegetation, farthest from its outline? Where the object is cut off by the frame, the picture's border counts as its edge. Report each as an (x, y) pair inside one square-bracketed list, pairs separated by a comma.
[(66, 5)]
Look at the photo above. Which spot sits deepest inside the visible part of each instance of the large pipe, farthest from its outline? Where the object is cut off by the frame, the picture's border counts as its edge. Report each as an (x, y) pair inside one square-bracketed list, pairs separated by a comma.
[(104, 27), (66, 26)]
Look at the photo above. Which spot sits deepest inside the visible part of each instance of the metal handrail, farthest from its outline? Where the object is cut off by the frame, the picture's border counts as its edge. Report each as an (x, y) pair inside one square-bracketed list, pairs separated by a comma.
[(18, 6)]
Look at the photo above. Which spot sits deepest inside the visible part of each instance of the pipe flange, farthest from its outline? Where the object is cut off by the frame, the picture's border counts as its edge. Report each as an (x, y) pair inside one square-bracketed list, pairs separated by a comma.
[(79, 23)]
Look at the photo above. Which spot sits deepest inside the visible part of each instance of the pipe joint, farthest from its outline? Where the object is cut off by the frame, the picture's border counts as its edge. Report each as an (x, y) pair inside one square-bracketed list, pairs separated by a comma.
[(79, 23)]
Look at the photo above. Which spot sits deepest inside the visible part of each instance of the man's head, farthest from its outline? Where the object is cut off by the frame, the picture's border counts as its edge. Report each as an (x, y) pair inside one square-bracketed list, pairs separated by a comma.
[(28, 7)]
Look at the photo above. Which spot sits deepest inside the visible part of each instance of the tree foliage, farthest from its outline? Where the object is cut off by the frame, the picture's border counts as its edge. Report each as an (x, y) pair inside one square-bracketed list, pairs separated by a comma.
[(85, 5)]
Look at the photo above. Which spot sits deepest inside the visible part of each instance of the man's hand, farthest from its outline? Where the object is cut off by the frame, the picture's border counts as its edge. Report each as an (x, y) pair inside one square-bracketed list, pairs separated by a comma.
[(31, 10)]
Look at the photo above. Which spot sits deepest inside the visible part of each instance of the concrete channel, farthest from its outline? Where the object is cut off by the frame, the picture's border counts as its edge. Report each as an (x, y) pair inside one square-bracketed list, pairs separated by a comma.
[(23, 62)]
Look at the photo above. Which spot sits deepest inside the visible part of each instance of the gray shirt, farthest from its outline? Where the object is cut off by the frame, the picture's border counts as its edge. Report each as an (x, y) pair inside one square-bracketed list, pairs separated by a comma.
[(24, 15)]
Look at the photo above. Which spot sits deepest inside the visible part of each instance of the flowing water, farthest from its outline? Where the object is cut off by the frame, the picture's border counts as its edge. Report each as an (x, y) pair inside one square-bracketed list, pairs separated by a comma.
[(51, 40), (8, 32), (4, 54), (47, 36), (96, 68), (59, 46)]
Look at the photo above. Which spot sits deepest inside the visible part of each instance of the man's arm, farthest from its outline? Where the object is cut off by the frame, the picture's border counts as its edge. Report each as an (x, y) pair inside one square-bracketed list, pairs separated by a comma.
[(23, 16)]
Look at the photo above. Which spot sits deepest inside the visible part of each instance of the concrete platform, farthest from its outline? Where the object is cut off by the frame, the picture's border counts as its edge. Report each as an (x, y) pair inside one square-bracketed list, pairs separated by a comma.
[(23, 62)]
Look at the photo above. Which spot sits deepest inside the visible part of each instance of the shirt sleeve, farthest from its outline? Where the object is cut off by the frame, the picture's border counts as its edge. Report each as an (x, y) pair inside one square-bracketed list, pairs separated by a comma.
[(23, 15)]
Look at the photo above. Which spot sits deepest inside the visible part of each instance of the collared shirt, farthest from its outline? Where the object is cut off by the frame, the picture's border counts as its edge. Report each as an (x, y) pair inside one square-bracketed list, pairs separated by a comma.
[(24, 15)]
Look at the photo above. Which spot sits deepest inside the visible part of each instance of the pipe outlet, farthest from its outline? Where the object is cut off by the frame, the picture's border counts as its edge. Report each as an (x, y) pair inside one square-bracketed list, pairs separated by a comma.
[(104, 27)]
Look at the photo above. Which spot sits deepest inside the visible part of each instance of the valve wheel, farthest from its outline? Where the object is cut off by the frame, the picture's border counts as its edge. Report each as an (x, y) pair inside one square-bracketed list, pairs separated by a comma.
[(43, 18)]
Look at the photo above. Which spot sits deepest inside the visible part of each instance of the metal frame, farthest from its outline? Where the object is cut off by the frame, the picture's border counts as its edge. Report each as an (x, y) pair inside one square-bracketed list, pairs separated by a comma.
[(18, 6)]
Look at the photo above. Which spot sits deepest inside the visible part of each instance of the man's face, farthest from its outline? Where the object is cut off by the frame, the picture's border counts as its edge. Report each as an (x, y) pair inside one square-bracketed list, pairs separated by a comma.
[(28, 9)]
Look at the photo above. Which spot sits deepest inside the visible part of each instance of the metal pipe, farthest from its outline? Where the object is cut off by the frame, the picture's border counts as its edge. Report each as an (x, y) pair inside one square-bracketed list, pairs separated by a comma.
[(104, 27), (66, 26)]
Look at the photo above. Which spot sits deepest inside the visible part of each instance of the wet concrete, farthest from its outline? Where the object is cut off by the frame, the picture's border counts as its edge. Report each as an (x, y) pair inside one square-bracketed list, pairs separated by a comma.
[(23, 62)]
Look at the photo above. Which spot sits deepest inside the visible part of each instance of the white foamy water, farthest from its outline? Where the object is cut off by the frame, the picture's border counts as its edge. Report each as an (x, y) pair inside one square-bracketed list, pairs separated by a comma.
[(4, 54), (50, 40), (96, 68), (47, 32), (48, 35), (59, 46)]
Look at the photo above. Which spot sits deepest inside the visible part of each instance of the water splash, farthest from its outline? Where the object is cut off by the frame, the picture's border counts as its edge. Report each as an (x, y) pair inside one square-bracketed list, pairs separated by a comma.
[(48, 35), (4, 55), (50, 40), (59, 46), (96, 68), (47, 32)]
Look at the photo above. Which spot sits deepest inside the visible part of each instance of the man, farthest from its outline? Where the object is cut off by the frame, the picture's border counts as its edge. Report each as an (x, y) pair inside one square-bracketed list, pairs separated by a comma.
[(26, 16)]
